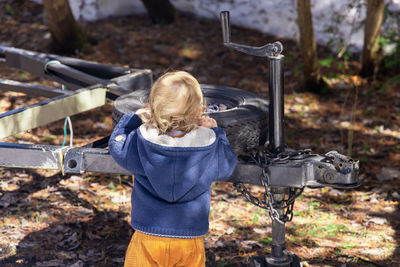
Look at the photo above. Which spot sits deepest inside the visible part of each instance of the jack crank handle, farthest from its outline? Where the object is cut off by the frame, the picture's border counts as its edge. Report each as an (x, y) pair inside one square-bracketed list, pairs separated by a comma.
[(268, 50), (226, 27)]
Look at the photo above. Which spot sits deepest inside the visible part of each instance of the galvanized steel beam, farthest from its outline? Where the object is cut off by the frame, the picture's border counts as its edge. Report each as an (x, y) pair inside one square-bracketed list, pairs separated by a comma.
[(310, 172), (30, 156), (50, 110)]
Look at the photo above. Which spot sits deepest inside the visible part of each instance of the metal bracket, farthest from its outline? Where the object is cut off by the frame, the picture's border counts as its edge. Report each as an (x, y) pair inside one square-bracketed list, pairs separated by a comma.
[(315, 171), (80, 160)]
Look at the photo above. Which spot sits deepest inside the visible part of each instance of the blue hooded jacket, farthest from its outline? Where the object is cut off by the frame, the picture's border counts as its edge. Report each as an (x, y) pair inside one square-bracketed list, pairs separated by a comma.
[(171, 194)]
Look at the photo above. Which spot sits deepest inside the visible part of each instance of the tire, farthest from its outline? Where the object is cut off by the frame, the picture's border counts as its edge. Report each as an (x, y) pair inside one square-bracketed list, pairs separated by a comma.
[(245, 121)]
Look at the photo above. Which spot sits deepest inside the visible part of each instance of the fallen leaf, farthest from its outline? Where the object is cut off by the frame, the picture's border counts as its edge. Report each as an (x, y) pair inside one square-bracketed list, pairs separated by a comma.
[(248, 244), (230, 230), (377, 220), (262, 231)]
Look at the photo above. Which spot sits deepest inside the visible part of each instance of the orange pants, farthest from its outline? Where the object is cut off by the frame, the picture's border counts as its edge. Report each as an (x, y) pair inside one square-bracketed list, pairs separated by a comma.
[(153, 251)]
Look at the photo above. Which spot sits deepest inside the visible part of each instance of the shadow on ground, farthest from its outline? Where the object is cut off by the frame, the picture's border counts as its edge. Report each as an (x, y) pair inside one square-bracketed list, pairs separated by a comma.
[(78, 233)]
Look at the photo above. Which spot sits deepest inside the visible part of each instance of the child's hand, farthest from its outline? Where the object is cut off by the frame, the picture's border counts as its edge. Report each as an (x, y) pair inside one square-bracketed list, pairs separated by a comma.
[(143, 113), (208, 122)]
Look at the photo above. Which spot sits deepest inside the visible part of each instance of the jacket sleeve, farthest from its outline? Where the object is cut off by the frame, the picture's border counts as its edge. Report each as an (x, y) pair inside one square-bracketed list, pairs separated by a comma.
[(124, 133), (227, 159)]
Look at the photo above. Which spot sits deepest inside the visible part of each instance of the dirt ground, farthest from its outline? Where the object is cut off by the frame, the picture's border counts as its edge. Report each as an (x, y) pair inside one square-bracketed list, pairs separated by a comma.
[(50, 219)]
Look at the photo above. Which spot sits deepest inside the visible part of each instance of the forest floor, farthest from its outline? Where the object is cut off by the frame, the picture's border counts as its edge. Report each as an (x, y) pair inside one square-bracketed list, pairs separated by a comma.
[(50, 219)]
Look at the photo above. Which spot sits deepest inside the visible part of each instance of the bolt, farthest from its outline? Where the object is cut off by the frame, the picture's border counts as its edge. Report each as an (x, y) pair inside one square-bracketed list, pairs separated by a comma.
[(329, 177)]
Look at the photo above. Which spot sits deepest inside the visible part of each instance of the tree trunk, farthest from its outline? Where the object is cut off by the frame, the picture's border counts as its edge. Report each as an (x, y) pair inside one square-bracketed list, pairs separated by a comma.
[(160, 11), (65, 31), (308, 47), (372, 31)]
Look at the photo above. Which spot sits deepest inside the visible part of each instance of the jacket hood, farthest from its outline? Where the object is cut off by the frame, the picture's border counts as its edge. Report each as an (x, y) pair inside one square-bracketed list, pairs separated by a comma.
[(175, 169)]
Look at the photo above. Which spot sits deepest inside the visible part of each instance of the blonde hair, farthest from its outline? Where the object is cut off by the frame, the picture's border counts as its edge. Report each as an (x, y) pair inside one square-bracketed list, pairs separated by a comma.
[(175, 103)]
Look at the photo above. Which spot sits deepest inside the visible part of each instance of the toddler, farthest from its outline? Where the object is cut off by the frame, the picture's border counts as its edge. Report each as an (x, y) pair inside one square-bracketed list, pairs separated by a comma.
[(175, 154)]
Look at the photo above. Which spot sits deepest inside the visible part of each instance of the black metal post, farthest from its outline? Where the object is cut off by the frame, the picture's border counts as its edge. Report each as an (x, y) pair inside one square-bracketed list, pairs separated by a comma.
[(279, 255), (276, 145), (276, 104), (278, 233)]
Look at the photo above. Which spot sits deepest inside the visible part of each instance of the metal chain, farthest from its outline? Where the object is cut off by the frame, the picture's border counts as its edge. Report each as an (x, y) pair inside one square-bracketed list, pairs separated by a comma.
[(264, 159)]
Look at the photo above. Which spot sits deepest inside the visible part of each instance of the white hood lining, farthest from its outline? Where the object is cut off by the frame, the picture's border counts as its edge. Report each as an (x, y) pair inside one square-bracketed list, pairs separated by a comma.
[(199, 137)]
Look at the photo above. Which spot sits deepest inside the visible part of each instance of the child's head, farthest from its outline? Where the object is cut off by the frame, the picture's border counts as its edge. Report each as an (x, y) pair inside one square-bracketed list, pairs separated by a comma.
[(176, 102)]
